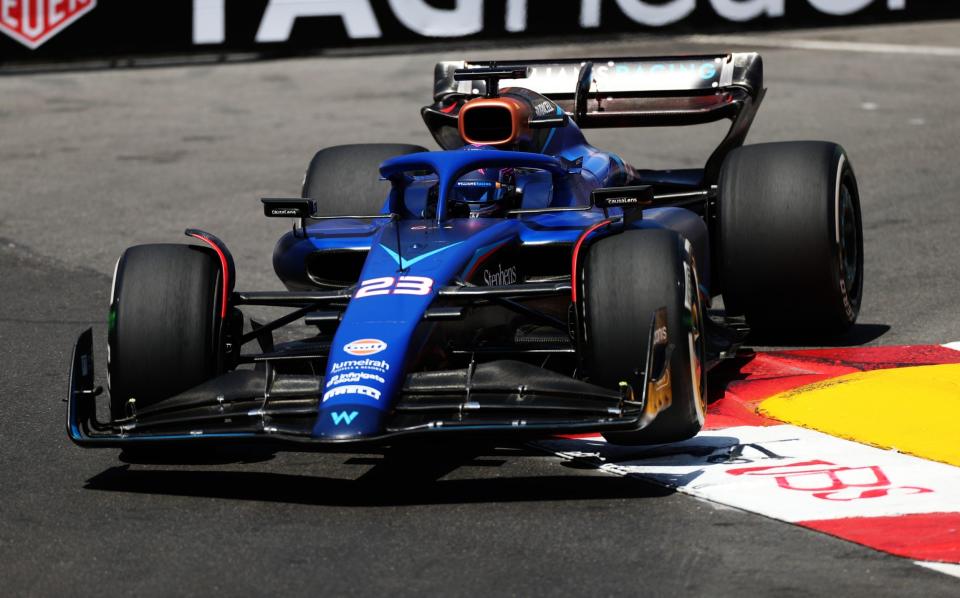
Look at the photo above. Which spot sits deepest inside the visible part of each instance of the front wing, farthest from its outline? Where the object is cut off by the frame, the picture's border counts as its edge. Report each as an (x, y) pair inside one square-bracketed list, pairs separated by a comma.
[(503, 400)]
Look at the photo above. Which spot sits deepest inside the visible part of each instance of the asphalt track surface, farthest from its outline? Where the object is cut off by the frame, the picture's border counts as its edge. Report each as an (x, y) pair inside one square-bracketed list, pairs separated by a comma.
[(93, 162)]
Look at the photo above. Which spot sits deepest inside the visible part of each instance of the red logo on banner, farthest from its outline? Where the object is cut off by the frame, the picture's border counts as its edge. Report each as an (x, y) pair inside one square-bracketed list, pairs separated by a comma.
[(33, 22)]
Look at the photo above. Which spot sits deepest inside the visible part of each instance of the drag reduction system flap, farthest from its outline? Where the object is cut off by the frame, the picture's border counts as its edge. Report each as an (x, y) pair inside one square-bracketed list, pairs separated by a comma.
[(623, 91)]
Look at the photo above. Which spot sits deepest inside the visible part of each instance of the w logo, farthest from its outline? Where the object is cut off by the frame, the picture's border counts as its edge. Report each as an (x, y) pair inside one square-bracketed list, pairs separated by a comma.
[(343, 416)]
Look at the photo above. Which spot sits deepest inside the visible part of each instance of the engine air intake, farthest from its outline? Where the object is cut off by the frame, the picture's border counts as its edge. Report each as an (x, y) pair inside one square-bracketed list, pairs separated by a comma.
[(494, 121)]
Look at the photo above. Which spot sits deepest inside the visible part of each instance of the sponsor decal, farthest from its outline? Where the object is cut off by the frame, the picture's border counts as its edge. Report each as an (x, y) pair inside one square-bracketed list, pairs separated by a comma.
[(371, 365), (352, 389), (501, 276), (543, 108), (466, 17), (478, 184), (340, 417), (365, 346), (218, 25), (784, 472), (388, 285), (660, 335), (34, 22), (825, 480), (622, 201), (353, 377), (622, 197), (885, 499), (284, 212), (623, 76)]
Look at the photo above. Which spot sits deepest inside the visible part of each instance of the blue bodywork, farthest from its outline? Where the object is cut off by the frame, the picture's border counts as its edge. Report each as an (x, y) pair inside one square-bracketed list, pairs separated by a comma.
[(453, 306), (378, 338)]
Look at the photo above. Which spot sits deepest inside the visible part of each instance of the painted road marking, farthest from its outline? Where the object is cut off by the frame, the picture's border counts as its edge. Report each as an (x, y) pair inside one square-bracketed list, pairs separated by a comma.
[(913, 410), (946, 568), (824, 45), (926, 536), (760, 376), (799, 476), (784, 472), (886, 500)]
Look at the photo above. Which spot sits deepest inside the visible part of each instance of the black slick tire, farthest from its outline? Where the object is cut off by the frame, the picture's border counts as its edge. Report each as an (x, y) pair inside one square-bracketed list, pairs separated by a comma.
[(791, 238), (344, 179), (626, 278), (163, 325)]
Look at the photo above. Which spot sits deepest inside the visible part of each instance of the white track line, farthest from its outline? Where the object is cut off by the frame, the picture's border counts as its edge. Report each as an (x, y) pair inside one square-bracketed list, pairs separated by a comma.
[(954, 346), (794, 462), (705, 468), (825, 45), (946, 568)]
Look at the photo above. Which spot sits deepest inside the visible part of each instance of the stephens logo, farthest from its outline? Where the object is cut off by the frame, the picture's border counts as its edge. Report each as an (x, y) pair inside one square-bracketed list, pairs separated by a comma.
[(34, 22), (502, 276), (365, 346)]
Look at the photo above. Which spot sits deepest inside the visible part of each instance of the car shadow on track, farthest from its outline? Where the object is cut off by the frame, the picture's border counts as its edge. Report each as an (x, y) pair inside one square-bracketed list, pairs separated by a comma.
[(389, 482), (858, 334)]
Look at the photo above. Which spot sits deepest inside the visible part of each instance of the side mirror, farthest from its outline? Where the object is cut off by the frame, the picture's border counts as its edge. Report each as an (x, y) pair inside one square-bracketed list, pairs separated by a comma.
[(289, 208), (631, 200)]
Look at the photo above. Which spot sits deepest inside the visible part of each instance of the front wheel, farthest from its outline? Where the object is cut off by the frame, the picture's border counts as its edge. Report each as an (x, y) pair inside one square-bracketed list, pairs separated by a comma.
[(626, 278), (163, 328)]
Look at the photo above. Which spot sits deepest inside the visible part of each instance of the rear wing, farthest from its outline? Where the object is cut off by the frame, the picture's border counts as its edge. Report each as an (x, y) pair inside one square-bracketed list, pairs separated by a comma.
[(631, 92), (626, 92)]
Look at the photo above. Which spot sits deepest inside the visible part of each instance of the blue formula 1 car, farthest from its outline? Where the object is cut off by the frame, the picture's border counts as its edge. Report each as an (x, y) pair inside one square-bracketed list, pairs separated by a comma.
[(518, 283)]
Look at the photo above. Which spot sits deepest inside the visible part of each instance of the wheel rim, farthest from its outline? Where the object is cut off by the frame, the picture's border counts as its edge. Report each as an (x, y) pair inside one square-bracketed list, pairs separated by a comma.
[(696, 339), (698, 356), (849, 242)]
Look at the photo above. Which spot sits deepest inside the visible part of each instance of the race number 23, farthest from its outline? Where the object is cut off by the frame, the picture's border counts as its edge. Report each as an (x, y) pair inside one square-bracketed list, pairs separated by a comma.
[(388, 285)]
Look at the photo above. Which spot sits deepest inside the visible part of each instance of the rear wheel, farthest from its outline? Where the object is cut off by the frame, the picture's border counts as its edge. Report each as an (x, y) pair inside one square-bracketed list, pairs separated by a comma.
[(345, 179), (626, 278), (791, 239), (163, 330)]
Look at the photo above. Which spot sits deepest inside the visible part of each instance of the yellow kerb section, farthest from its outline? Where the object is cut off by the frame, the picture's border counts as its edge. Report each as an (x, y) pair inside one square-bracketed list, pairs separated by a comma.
[(914, 410)]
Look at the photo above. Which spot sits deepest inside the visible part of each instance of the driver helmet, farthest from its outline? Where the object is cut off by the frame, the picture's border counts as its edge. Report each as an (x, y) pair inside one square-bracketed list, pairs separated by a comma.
[(483, 193)]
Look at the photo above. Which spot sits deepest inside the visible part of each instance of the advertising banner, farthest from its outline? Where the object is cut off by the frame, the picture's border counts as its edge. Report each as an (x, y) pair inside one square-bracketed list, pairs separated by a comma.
[(78, 30)]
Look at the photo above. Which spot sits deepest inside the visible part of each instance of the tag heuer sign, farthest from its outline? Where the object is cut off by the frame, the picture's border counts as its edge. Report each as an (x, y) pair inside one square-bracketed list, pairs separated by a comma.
[(33, 22)]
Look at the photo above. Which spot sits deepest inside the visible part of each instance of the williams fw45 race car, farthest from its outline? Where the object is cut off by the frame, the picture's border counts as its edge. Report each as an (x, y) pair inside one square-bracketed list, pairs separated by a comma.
[(518, 283)]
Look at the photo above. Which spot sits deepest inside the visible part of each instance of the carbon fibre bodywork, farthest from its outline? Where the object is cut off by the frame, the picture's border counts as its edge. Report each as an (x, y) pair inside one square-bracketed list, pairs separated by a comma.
[(432, 322)]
